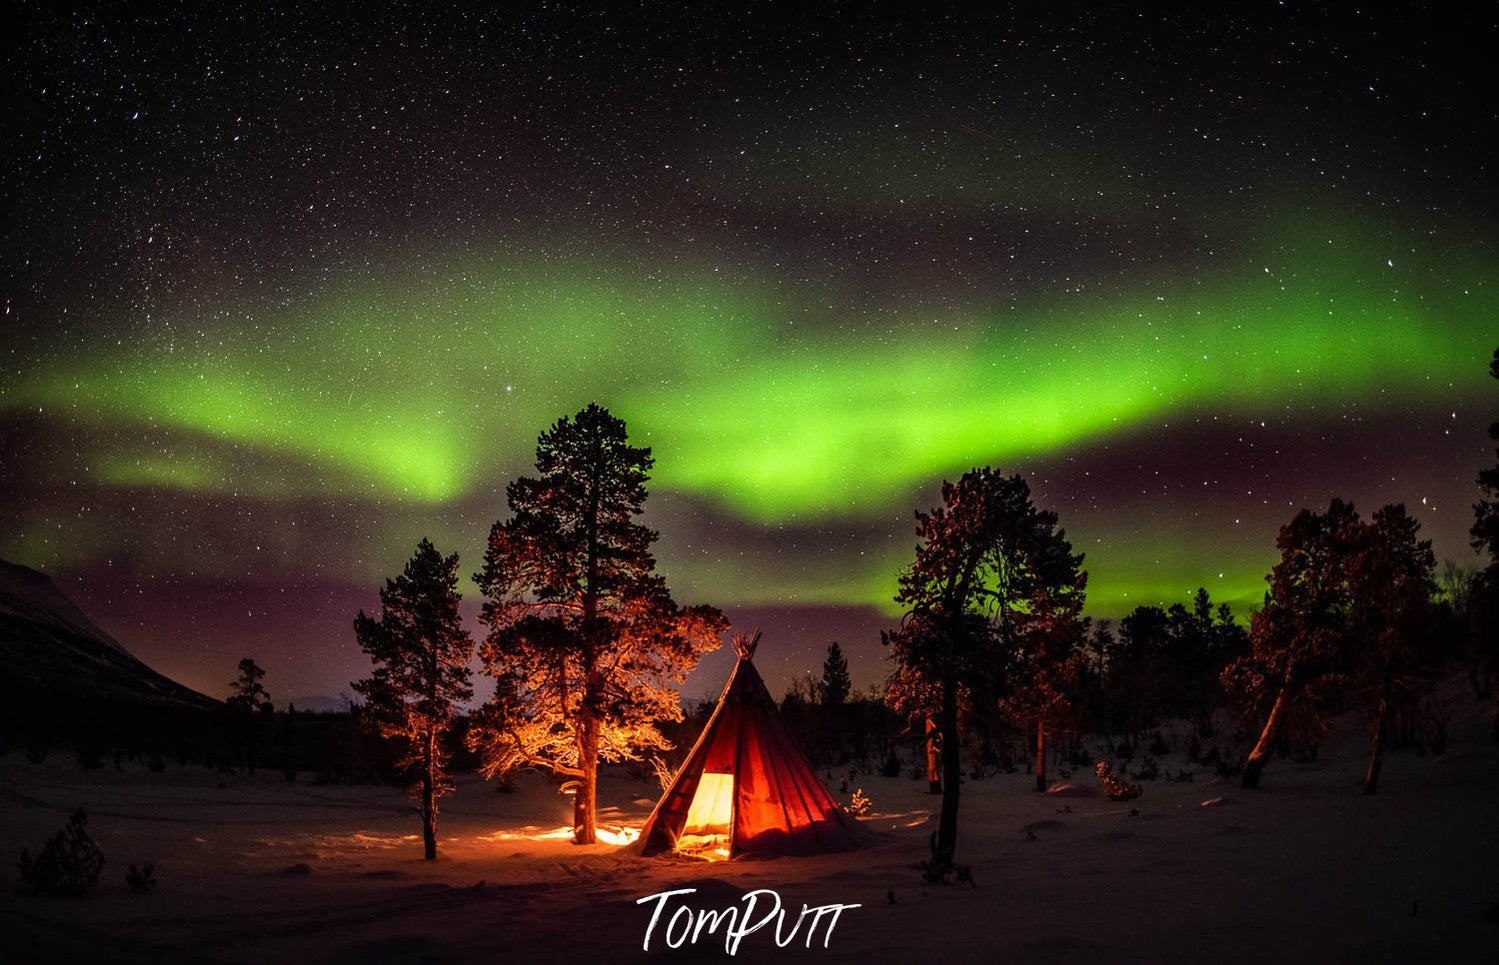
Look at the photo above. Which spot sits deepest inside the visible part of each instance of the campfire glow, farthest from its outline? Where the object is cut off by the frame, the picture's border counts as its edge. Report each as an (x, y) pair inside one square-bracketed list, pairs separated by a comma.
[(618, 836)]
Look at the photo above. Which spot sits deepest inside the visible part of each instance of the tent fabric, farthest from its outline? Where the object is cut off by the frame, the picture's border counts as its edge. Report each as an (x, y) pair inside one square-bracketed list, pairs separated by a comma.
[(779, 805)]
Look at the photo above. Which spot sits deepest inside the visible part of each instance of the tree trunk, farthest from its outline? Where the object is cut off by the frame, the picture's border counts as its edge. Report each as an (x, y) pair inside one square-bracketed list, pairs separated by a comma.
[(1262, 748), (1040, 753), (429, 802), (1376, 748), (933, 758), (584, 810), (947, 825)]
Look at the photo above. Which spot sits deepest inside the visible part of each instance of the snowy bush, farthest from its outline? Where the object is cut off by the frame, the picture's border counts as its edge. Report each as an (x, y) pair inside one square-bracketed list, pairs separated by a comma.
[(68, 865), (1115, 788)]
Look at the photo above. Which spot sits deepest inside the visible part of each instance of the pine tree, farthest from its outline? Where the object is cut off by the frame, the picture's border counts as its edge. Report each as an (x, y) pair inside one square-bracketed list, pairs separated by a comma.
[(1390, 613), (248, 700), (1138, 671), (1349, 606), (246, 691), (1485, 533), (1298, 639), (584, 639), (69, 864), (836, 684), (1047, 638), (421, 653), (992, 589)]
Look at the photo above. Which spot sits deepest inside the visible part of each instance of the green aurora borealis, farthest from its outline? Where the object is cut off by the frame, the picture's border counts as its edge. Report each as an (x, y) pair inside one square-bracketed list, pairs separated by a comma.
[(764, 423), (252, 385)]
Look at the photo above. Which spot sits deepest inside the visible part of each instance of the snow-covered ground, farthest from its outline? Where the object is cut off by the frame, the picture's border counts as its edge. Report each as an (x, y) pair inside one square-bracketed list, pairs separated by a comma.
[(254, 869)]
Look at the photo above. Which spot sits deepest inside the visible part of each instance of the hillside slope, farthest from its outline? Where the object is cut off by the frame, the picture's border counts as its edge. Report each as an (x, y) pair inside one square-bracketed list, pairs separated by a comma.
[(50, 648)]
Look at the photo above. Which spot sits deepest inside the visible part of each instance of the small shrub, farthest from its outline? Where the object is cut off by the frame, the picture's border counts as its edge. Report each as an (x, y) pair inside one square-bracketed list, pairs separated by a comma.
[(143, 881), (1116, 789), (891, 767), (860, 805), (68, 865), (1150, 769)]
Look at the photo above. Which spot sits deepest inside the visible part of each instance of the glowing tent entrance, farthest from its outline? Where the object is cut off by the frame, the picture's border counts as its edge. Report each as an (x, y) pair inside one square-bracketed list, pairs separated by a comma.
[(746, 788)]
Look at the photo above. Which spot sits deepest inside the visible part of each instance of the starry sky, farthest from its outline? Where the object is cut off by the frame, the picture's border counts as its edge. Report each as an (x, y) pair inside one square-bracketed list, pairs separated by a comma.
[(288, 287)]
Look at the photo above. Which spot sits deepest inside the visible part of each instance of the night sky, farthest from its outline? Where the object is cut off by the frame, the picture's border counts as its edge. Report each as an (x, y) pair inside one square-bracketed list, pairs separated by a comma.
[(288, 289)]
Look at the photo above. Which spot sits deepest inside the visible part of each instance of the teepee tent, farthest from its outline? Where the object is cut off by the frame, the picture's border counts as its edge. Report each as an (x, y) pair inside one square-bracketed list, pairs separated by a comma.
[(746, 788)]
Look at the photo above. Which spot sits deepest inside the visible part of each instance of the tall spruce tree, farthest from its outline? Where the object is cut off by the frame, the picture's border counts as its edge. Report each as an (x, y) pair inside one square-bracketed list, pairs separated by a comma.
[(421, 653), (991, 591), (248, 700), (584, 639), (836, 684)]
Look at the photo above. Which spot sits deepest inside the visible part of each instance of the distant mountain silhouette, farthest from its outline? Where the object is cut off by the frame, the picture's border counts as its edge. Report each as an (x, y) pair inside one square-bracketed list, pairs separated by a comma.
[(50, 649)]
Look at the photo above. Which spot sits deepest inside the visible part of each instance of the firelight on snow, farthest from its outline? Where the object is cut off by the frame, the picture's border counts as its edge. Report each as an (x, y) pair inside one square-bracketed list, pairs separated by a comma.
[(613, 836)]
